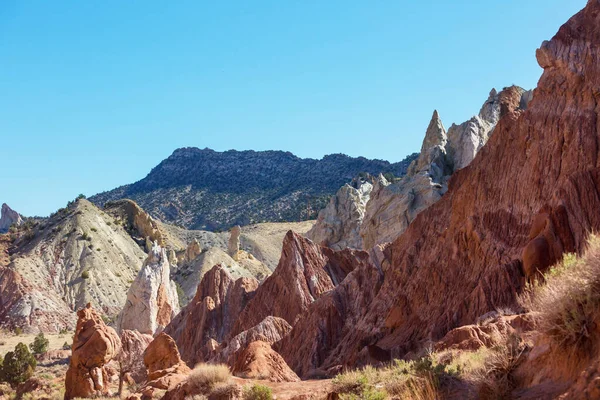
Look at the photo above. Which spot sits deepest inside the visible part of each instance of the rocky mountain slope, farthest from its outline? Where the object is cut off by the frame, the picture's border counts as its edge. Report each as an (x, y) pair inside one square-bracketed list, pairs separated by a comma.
[(209, 190), (528, 196), (379, 211)]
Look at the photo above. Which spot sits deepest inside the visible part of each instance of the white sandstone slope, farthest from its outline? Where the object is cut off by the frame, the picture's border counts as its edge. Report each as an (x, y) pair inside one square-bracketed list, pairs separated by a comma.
[(152, 299), (338, 224)]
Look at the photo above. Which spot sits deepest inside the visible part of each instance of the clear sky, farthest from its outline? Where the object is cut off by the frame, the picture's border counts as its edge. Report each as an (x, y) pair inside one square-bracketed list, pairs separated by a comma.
[(93, 94)]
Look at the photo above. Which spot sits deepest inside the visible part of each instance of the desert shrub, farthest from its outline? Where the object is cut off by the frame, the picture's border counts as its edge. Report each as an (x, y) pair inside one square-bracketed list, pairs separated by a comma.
[(568, 302), (93, 229), (495, 380), (85, 275), (207, 376), (180, 295), (258, 392), (63, 331), (66, 346), (18, 331), (18, 365), (40, 344)]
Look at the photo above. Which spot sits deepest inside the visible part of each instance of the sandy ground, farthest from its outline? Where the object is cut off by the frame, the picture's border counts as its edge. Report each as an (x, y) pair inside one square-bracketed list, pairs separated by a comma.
[(9, 341)]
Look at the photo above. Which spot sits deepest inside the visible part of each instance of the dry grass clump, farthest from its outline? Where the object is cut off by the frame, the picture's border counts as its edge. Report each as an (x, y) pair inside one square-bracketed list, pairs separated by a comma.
[(568, 302), (495, 380), (207, 377)]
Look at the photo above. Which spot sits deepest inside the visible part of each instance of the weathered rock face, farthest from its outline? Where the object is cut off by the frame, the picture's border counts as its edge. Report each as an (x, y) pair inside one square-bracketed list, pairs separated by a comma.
[(464, 255), (94, 345), (304, 273), (136, 219), (75, 257), (163, 363), (193, 250), (338, 225), (211, 314), (260, 361), (131, 357), (9, 217), (271, 330), (152, 298), (234, 241), (392, 207)]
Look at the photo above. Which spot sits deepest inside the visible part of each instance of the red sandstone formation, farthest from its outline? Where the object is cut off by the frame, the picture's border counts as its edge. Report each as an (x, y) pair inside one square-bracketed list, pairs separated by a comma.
[(305, 271), (260, 361), (131, 360), (531, 194), (163, 363), (94, 345), (211, 314)]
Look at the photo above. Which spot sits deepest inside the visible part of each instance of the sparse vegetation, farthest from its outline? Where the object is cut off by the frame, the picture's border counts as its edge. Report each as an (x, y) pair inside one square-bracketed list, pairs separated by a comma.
[(85, 275), (258, 392), (568, 302), (180, 295), (40, 344), (18, 365), (205, 377)]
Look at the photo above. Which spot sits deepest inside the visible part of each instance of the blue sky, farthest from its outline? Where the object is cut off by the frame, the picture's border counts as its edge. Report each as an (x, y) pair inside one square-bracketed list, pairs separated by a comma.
[(96, 93)]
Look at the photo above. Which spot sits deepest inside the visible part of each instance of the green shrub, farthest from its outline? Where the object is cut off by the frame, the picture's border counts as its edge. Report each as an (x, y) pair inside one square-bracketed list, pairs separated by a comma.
[(94, 229), (85, 275), (66, 346), (18, 331), (40, 344), (18, 365), (258, 392)]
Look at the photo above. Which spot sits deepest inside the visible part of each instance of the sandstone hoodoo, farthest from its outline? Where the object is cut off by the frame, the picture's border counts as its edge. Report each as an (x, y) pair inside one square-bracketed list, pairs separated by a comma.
[(259, 361), (152, 299), (234, 241), (163, 363), (8, 218), (94, 345)]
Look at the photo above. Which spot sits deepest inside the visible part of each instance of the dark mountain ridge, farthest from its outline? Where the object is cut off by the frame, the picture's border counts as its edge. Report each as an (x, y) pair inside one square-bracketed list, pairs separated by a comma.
[(207, 189)]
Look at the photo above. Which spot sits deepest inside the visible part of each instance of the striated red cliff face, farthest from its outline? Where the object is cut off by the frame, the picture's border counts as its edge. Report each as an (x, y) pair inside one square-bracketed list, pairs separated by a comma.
[(305, 271), (531, 194), (211, 314)]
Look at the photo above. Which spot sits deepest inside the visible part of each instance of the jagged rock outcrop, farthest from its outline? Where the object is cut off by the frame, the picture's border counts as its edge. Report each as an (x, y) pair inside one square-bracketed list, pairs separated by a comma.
[(260, 361), (338, 224), (392, 207), (136, 219), (248, 186), (233, 245), (304, 273), (271, 330), (94, 345), (131, 357), (163, 363), (152, 299), (211, 314), (189, 275), (9, 217), (464, 255)]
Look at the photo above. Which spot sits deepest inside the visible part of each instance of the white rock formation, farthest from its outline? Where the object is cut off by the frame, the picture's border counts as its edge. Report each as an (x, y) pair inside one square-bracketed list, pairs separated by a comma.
[(338, 224), (392, 207), (9, 217), (152, 299), (234, 241)]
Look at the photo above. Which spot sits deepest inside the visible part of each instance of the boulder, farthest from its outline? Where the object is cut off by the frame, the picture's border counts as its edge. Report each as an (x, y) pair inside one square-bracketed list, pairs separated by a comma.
[(130, 359), (163, 363), (259, 361), (152, 299), (193, 250), (94, 345)]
